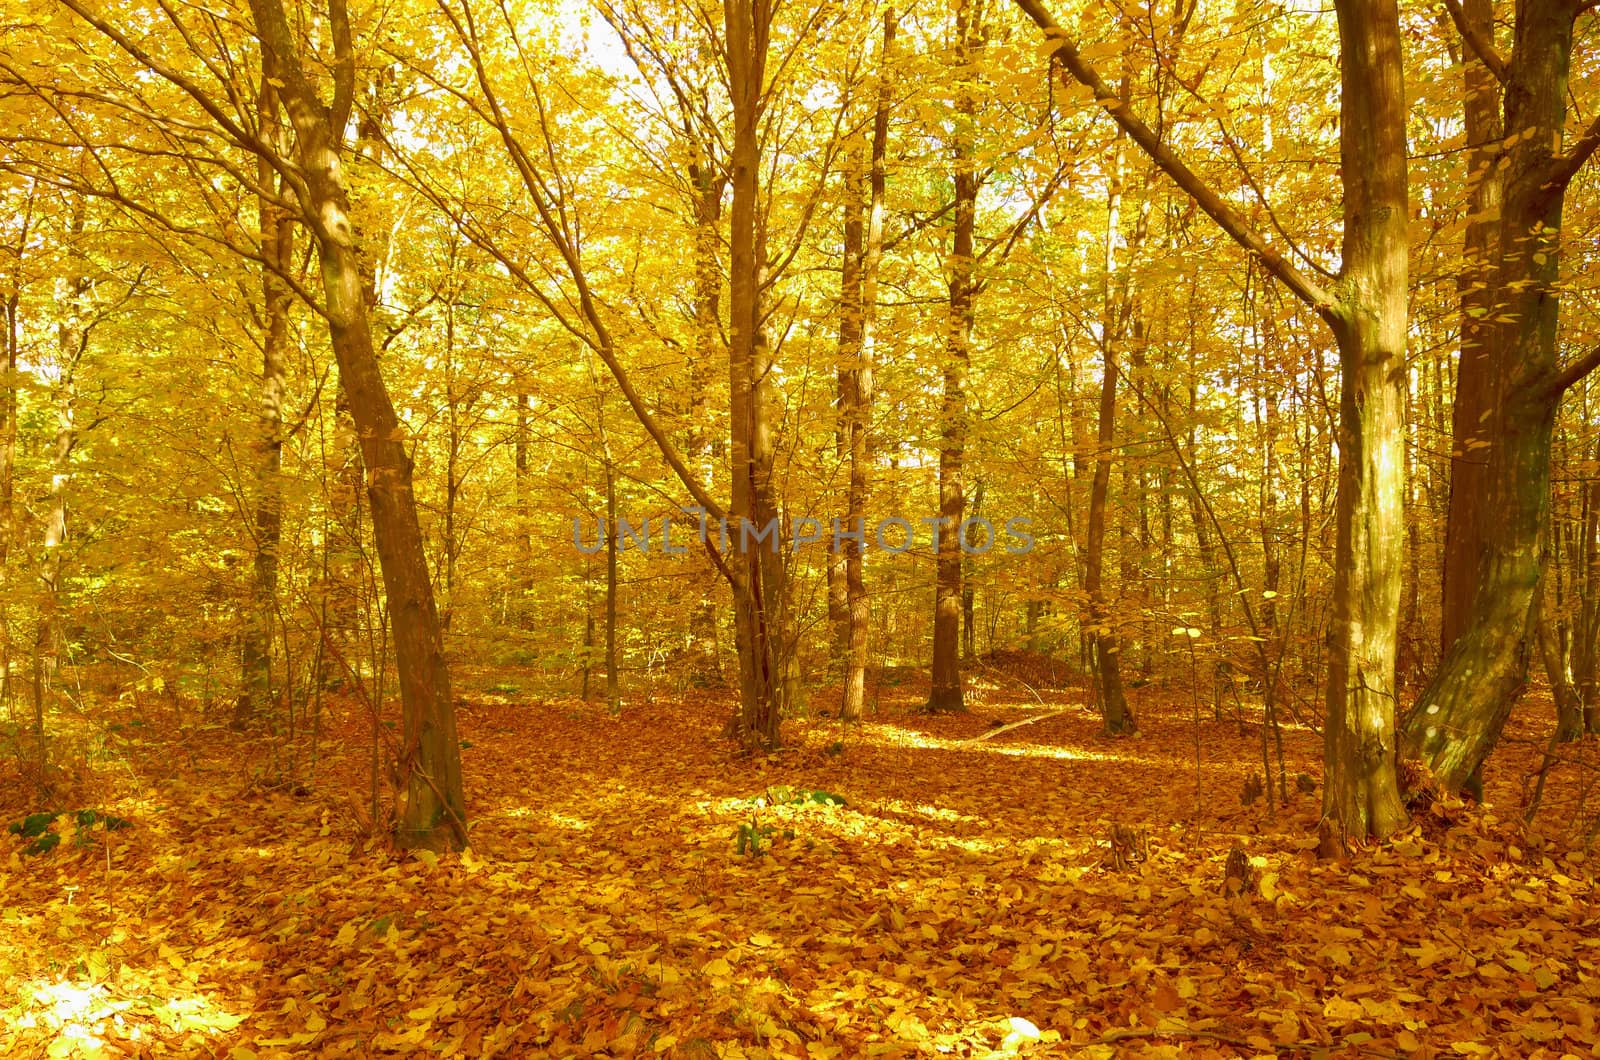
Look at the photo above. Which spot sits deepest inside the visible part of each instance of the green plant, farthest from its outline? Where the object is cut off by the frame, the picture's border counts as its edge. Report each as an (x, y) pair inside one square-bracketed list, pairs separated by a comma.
[(751, 836), (36, 828)]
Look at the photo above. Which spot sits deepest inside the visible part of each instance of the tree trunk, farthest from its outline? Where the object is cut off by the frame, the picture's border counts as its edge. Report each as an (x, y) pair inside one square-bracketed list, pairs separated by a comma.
[(1367, 313), (1585, 648), (72, 340), (757, 568), (1459, 717), (8, 462), (1475, 390), (708, 188), (433, 812), (277, 250), (946, 692), (848, 371), (1360, 792), (522, 581), (860, 605), (613, 533), (1116, 304)]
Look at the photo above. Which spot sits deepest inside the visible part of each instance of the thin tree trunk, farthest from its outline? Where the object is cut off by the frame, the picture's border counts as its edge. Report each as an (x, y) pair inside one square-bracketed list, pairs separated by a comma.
[(851, 320), (277, 250), (613, 702), (72, 340), (1586, 630), (860, 605), (708, 187), (946, 692), (8, 460), (1116, 307), (522, 582)]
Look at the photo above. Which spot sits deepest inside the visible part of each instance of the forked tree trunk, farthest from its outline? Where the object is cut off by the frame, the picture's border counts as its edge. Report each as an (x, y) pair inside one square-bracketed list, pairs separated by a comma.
[(1361, 795), (433, 813), (1459, 717)]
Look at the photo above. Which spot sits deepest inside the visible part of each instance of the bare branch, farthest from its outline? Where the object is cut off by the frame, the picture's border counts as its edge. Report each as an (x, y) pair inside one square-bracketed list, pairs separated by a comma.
[(1304, 287), (1480, 46)]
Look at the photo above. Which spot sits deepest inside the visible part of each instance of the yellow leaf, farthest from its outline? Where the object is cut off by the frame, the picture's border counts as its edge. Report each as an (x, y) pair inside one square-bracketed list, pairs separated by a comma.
[(760, 940), (717, 968), (1338, 1010)]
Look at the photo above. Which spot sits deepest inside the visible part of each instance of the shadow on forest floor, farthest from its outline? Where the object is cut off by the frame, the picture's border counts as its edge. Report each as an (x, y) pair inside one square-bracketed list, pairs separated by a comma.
[(963, 894)]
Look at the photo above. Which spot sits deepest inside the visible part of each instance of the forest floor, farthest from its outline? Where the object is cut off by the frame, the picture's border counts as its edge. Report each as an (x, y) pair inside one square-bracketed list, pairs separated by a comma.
[(962, 901)]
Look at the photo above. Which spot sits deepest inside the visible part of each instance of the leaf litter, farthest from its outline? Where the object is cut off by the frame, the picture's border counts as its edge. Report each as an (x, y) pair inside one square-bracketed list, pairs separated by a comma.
[(901, 888)]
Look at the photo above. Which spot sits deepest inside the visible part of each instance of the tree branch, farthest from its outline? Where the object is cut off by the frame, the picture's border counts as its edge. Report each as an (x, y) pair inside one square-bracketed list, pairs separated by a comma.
[(1481, 46), (1565, 166), (1303, 286), (1559, 381)]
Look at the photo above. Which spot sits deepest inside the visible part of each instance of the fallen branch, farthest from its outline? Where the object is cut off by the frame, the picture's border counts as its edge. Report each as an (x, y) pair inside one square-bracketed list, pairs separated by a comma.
[(1018, 724)]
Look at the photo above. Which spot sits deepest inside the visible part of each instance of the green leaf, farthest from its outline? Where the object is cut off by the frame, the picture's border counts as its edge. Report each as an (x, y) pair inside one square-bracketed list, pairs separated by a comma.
[(34, 824), (44, 844)]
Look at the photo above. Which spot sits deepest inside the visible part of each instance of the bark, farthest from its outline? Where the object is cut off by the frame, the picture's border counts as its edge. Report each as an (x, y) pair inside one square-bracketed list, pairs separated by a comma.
[(1106, 651), (452, 475), (8, 457), (612, 534), (946, 692), (1569, 704), (861, 451), (848, 372), (72, 340), (1459, 717), (757, 586), (277, 250), (1475, 390), (1585, 650), (522, 582), (433, 813), (708, 185), (1361, 795)]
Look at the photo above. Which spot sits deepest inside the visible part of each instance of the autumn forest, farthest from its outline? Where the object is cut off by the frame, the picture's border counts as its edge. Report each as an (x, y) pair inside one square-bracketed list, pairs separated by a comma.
[(799, 528)]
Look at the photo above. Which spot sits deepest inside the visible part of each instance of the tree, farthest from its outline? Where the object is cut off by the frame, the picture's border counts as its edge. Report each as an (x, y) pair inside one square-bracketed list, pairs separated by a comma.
[(1458, 718), (946, 692), (1366, 311), (277, 251)]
